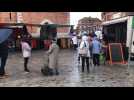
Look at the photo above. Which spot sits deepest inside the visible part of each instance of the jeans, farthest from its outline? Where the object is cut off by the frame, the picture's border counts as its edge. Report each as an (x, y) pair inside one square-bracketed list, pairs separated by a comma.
[(75, 46), (3, 63), (25, 63), (85, 60), (55, 71), (96, 60)]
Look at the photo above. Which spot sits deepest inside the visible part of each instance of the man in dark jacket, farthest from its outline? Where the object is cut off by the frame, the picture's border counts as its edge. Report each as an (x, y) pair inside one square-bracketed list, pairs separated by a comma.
[(5, 33), (3, 57)]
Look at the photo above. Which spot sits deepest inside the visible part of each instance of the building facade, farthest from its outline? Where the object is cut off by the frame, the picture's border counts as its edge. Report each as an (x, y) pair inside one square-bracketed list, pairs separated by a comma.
[(117, 27), (39, 18), (89, 24), (107, 16)]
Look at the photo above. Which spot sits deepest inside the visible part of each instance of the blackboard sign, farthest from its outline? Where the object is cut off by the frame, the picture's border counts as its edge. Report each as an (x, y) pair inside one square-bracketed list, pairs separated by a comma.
[(116, 53)]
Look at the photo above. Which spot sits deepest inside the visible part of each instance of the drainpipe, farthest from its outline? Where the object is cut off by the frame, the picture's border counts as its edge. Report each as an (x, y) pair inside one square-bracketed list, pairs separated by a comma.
[(10, 16), (19, 17)]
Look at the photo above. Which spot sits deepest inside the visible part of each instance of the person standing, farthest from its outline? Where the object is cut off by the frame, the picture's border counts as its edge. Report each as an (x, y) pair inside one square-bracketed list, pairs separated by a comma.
[(96, 49), (3, 58), (53, 57), (5, 33), (75, 41), (84, 52), (26, 51)]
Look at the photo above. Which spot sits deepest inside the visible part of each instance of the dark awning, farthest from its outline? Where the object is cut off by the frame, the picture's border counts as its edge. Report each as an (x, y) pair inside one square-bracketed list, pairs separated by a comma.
[(115, 21)]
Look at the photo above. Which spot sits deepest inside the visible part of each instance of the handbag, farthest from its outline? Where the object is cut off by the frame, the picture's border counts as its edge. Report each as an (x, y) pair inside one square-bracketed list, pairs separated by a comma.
[(83, 51)]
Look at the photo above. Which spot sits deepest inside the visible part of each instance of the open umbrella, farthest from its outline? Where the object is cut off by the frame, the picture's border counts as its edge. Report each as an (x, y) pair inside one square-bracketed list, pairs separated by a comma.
[(4, 34)]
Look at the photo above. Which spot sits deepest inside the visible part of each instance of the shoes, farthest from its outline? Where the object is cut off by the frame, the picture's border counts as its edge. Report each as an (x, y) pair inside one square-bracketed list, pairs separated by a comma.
[(27, 70), (57, 73), (4, 76)]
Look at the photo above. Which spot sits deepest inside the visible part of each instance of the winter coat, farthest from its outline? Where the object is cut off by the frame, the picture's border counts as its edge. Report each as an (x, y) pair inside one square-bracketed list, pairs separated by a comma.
[(26, 49), (53, 55), (74, 39), (4, 49), (82, 45), (96, 46)]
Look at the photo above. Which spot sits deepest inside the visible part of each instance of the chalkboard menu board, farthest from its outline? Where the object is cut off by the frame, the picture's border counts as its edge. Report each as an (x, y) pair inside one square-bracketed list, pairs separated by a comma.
[(116, 53)]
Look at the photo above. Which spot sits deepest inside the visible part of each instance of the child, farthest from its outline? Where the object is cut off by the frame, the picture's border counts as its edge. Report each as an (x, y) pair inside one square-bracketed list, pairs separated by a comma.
[(26, 51)]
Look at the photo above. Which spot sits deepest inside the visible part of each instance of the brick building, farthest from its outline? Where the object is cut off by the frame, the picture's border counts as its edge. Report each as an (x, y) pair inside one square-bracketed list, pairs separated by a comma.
[(89, 24), (38, 18)]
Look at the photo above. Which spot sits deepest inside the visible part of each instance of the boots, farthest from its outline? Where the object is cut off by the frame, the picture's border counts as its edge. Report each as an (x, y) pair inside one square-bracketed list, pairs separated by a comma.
[(57, 72), (26, 69)]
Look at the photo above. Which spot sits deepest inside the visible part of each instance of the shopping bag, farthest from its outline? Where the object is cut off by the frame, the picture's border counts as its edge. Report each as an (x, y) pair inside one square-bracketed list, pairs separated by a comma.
[(102, 58), (82, 51)]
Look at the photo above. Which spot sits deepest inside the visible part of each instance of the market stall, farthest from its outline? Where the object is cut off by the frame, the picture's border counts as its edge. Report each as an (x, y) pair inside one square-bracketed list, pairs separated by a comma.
[(42, 41), (115, 31)]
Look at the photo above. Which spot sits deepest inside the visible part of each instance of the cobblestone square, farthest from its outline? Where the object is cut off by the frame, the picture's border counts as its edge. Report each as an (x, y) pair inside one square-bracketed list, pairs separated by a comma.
[(70, 73)]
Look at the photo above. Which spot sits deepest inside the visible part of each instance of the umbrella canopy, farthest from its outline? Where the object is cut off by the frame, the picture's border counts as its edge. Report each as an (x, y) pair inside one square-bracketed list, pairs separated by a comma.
[(4, 34)]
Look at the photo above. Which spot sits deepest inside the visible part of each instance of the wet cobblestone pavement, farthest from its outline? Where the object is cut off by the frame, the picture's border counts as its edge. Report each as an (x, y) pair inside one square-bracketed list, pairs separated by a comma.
[(70, 73)]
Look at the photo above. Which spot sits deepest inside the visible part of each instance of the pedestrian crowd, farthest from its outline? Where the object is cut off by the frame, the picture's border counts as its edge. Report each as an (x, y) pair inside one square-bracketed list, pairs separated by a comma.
[(90, 49), (51, 55)]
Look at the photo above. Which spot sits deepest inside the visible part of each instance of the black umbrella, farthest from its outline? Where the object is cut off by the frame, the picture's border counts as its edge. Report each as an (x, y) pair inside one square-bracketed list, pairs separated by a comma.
[(4, 34)]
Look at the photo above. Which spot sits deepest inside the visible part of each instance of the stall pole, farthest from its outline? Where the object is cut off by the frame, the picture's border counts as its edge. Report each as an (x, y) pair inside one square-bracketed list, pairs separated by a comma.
[(130, 45)]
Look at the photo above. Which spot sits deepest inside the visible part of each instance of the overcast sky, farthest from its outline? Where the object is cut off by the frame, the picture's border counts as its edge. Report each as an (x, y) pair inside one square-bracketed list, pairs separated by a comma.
[(75, 16)]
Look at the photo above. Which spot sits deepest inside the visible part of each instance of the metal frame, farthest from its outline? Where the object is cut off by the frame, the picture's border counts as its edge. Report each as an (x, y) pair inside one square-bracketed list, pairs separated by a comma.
[(122, 62), (130, 45), (34, 25)]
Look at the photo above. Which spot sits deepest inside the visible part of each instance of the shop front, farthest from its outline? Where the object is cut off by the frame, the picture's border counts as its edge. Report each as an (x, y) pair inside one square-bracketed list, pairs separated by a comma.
[(115, 31)]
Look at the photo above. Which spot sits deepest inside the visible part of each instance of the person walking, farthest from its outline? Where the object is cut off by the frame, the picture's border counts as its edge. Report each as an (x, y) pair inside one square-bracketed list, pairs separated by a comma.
[(53, 57), (26, 51), (84, 52), (79, 42), (75, 41), (96, 49), (90, 47)]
